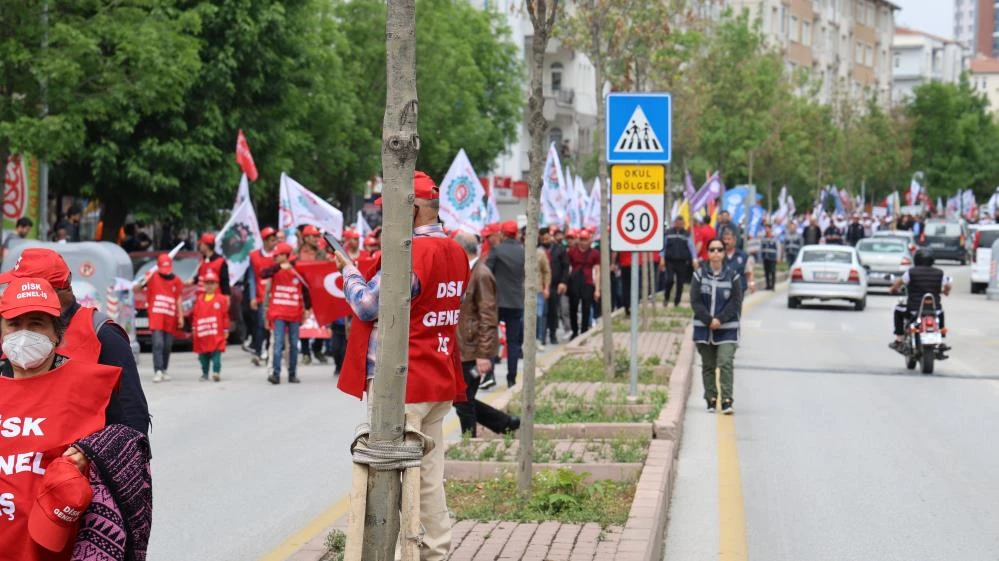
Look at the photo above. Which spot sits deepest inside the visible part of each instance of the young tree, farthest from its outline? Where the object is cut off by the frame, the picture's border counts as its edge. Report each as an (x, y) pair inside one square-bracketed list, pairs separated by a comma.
[(543, 14)]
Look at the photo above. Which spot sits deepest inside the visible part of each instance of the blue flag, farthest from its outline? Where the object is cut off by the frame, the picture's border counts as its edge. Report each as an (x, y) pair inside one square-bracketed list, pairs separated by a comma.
[(734, 201)]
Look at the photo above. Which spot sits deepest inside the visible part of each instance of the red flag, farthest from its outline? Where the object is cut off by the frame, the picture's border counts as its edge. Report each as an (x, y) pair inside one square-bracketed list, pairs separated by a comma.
[(244, 158), (325, 290)]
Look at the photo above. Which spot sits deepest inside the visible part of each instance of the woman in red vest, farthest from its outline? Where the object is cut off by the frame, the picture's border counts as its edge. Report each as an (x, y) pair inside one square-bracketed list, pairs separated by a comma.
[(287, 304), (213, 261), (165, 312), (40, 472), (210, 327)]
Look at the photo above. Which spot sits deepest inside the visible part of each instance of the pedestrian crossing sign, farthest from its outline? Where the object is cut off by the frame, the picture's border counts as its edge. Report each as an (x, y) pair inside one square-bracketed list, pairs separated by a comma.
[(638, 128)]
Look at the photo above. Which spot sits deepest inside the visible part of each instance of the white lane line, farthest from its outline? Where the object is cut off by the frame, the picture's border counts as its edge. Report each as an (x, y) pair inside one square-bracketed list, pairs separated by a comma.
[(801, 325)]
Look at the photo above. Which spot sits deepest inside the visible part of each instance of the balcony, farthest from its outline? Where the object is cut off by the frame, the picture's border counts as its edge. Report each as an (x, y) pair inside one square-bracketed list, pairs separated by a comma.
[(564, 96)]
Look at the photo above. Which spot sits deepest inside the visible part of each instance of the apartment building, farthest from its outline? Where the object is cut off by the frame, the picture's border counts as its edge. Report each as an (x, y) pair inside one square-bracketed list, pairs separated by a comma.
[(843, 45), (976, 26), (919, 57), (984, 76)]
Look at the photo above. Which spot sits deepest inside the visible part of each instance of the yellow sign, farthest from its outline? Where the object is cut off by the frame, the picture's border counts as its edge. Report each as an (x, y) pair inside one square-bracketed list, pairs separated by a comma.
[(638, 180)]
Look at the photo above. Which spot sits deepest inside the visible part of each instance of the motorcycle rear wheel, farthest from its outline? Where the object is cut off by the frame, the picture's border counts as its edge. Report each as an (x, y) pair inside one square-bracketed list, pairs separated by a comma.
[(927, 362)]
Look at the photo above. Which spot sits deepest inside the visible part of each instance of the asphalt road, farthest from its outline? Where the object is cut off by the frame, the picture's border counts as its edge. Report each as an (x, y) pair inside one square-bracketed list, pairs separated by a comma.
[(836, 451)]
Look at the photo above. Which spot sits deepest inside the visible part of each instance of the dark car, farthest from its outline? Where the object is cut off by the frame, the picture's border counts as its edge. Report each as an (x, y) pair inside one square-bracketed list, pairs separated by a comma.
[(185, 266), (945, 240)]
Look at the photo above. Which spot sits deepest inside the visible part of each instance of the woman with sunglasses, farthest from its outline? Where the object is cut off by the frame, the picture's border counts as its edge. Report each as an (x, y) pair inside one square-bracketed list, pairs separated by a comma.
[(716, 297)]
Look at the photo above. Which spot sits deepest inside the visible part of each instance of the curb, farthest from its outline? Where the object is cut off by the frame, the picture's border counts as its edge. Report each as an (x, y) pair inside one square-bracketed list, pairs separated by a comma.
[(642, 539), (669, 424)]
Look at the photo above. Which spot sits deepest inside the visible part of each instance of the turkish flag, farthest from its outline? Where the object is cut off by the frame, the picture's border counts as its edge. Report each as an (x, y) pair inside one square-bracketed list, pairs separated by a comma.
[(244, 158), (325, 290)]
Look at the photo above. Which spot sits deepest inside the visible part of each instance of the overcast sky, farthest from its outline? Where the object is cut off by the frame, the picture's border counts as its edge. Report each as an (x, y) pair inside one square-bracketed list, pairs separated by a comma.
[(931, 16)]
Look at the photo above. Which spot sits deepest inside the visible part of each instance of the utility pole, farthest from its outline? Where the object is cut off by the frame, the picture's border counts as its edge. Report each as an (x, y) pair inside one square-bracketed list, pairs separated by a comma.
[(400, 147)]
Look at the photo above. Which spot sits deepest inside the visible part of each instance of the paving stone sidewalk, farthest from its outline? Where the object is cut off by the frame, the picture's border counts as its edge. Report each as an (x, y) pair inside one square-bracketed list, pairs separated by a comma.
[(544, 541)]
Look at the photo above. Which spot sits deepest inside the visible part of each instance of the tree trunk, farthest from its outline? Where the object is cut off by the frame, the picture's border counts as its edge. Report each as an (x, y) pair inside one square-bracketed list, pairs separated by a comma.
[(400, 147), (542, 19), (606, 294)]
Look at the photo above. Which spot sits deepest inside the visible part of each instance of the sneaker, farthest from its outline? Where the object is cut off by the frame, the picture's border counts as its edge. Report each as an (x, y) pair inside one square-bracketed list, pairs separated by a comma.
[(257, 361), (712, 405), (264, 355), (896, 346), (204, 377), (274, 379), (157, 377), (553, 340), (727, 407), (216, 377), (487, 382), (513, 424), (294, 380), (541, 348), (166, 377), (322, 359), (307, 360)]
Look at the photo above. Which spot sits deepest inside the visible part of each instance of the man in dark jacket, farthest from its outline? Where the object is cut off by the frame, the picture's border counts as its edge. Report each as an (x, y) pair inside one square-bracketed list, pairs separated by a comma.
[(506, 261), (478, 344), (855, 231), (679, 256), (558, 258), (812, 233)]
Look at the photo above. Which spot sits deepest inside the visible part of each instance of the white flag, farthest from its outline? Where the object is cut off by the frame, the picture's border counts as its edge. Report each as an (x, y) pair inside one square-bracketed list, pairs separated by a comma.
[(913, 195), (553, 191), (363, 229), (243, 193), (239, 237), (298, 205), (591, 219), (782, 209), (492, 211), (578, 203), (461, 196)]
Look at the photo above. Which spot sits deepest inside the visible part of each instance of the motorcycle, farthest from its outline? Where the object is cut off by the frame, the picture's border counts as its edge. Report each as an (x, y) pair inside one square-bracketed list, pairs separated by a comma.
[(924, 338)]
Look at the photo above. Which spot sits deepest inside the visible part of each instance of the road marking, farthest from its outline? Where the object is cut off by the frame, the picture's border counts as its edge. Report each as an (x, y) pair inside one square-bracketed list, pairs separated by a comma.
[(329, 517), (731, 510), (801, 325)]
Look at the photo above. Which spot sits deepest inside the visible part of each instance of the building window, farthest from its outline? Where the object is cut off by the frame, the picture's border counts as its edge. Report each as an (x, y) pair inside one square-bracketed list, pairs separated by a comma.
[(783, 21), (806, 33), (774, 24), (858, 54), (555, 135), (898, 60), (868, 56), (556, 76), (794, 29)]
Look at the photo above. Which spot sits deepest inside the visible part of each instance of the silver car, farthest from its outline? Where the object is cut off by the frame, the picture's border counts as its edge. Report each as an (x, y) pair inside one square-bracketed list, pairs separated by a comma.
[(828, 272), (885, 259), (904, 236)]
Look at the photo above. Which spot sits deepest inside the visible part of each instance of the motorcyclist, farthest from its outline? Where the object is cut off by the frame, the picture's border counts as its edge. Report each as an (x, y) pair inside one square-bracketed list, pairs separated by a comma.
[(921, 279)]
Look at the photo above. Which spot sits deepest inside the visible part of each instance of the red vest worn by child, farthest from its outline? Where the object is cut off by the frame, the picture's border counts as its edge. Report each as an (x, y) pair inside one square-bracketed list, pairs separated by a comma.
[(161, 302), (210, 323), (42, 416), (434, 363), (286, 300)]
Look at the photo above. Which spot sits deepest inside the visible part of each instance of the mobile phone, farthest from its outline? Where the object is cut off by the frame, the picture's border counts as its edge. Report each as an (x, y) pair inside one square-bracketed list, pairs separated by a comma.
[(337, 246)]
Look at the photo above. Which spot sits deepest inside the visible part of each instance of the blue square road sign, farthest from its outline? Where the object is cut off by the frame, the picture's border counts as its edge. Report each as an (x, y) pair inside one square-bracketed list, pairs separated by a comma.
[(638, 128)]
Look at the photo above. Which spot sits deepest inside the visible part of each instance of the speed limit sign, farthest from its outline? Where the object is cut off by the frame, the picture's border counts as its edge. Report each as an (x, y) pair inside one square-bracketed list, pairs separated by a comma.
[(637, 205)]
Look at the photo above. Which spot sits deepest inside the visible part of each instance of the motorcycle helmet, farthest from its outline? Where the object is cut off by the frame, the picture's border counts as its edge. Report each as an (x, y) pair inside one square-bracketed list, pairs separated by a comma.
[(923, 258)]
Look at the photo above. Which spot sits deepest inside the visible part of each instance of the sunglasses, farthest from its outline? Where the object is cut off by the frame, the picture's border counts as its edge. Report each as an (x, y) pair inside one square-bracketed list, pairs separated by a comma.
[(716, 250)]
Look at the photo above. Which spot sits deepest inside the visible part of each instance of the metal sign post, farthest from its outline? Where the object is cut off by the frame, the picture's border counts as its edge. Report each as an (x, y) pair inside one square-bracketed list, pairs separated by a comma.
[(633, 364)]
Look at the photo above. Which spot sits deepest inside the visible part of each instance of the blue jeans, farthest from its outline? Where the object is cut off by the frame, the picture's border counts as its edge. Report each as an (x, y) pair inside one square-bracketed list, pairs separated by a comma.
[(514, 319), (278, 350), (541, 318), (259, 331)]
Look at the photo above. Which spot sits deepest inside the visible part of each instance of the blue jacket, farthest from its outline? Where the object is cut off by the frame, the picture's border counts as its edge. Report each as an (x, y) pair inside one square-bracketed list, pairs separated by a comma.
[(738, 263), (716, 297)]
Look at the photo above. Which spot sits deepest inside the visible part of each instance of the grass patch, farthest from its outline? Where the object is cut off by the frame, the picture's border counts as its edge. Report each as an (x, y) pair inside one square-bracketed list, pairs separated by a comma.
[(591, 369), (336, 544), (558, 406), (558, 495), (553, 451), (671, 319)]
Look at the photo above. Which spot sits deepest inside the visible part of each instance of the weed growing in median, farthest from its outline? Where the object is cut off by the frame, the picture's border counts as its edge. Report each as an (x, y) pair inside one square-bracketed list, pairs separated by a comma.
[(547, 451), (557, 495), (608, 405), (336, 543), (591, 369)]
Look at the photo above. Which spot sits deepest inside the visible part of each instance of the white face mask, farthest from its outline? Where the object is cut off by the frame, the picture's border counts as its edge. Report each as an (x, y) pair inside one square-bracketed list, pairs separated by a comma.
[(27, 349)]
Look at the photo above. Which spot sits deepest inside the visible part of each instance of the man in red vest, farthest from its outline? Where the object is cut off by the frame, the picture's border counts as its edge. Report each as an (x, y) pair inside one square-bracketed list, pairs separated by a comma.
[(165, 312), (90, 336), (287, 305), (260, 259), (211, 260), (435, 380)]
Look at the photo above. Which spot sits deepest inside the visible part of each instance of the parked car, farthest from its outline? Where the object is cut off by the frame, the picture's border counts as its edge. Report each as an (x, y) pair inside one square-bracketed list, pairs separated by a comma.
[(981, 256), (885, 259), (185, 266), (828, 272), (945, 239)]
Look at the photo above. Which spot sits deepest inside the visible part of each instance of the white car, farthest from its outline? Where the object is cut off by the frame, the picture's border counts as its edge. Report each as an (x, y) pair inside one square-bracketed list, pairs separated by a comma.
[(885, 259), (981, 255), (828, 272), (903, 235)]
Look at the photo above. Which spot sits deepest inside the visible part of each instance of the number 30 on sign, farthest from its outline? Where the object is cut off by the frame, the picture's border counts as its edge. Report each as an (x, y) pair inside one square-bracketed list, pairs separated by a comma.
[(637, 204)]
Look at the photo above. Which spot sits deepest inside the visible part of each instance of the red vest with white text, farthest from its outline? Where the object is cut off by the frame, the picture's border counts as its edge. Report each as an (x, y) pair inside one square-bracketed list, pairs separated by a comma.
[(42, 416), (259, 262), (434, 363), (286, 300), (210, 323), (161, 302), (215, 265)]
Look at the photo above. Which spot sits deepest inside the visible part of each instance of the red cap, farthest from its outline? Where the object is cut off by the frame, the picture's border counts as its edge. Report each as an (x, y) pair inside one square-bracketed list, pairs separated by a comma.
[(584, 235), (552, 228), (25, 295), (62, 499), (509, 228), (423, 188), (572, 233), (283, 248), (371, 240), (310, 230), (39, 263), (211, 276), (591, 229), (164, 264), (208, 239), (267, 232), (350, 234)]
